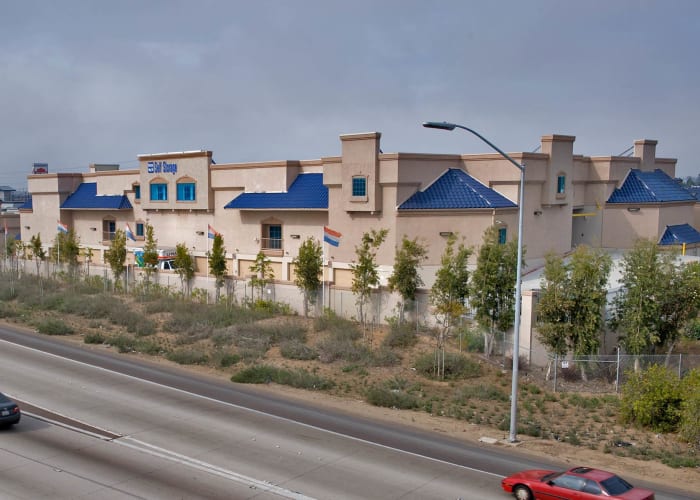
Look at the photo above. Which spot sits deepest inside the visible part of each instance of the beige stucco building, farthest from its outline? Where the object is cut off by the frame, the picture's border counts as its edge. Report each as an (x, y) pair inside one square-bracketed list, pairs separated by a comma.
[(569, 199)]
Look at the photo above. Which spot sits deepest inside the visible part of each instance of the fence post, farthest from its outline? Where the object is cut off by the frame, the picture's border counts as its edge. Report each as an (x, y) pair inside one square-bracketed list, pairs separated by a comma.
[(617, 372), (556, 363), (680, 365)]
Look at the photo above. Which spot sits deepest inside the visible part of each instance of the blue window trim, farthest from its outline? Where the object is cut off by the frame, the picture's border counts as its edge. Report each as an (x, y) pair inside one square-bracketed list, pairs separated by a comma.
[(186, 191), (502, 235), (140, 229), (137, 191), (159, 191), (561, 184), (359, 186)]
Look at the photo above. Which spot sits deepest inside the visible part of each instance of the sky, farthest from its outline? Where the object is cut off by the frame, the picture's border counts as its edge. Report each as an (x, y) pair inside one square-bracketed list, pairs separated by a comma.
[(97, 81)]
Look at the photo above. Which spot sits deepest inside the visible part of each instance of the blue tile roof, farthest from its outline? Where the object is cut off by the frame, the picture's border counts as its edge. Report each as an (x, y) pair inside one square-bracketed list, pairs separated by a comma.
[(27, 205), (306, 192), (86, 198), (650, 187), (456, 189), (679, 234)]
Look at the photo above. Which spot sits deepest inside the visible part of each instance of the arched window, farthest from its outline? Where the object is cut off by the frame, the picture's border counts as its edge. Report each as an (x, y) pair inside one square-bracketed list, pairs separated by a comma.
[(186, 189), (159, 190)]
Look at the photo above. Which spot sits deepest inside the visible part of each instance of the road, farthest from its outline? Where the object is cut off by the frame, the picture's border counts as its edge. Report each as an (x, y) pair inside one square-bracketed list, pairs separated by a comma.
[(143, 431)]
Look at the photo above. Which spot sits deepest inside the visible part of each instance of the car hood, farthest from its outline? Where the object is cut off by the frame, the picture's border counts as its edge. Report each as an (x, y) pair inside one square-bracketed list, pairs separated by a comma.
[(533, 475)]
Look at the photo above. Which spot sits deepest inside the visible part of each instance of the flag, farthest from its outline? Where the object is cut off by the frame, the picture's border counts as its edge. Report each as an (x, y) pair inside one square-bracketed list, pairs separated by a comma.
[(212, 232), (331, 237), (62, 227), (130, 233)]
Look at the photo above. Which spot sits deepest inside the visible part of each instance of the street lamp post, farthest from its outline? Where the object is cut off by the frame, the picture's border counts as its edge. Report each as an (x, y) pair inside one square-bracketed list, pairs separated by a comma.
[(518, 279)]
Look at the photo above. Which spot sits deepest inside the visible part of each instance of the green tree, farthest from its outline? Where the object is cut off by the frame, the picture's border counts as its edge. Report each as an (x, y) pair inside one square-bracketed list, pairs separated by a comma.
[(657, 299), (184, 267), (116, 256), (365, 272), (448, 295), (65, 250), (572, 302), (150, 254), (217, 263), (492, 290), (679, 298), (38, 252), (405, 278), (308, 265), (264, 273)]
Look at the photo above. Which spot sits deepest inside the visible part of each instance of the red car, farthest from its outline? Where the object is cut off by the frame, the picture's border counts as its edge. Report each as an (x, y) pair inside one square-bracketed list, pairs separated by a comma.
[(579, 483)]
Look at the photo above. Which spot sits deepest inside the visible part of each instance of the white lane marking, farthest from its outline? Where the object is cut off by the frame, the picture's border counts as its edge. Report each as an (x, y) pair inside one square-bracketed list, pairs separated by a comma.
[(233, 405), (206, 467)]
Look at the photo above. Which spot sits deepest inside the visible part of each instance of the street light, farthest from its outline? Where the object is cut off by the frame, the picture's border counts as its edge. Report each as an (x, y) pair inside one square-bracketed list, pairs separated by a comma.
[(519, 272)]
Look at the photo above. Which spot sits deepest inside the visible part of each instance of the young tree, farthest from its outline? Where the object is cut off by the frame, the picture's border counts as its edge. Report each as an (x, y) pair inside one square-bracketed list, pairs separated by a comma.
[(184, 267), (66, 249), (263, 273), (38, 252), (308, 265), (637, 306), (448, 294), (150, 254), (406, 276), (572, 302), (365, 274), (679, 297), (116, 256), (217, 263), (492, 290)]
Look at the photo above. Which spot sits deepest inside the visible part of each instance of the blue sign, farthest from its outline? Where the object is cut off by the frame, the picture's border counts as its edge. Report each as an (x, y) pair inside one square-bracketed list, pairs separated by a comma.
[(162, 167)]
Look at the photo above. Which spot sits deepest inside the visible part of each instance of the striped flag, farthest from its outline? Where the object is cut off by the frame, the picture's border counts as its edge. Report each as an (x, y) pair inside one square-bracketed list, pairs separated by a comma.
[(212, 232), (331, 237), (61, 227), (130, 233)]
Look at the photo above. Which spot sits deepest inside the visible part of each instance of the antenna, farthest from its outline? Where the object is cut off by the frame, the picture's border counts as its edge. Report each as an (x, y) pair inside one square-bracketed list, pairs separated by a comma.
[(627, 152)]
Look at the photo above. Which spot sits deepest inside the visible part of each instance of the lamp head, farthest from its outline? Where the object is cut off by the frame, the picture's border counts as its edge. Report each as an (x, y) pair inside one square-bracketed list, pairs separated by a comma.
[(440, 125)]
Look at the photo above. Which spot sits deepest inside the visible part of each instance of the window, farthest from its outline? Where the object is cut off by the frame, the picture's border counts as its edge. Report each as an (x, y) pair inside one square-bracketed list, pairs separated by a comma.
[(140, 232), (502, 235), (109, 229), (137, 191), (273, 237), (186, 191), (561, 184), (570, 482), (359, 186), (159, 191)]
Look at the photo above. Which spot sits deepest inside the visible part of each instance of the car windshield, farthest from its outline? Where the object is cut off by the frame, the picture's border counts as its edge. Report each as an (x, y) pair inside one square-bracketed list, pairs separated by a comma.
[(615, 485), (550, 476)]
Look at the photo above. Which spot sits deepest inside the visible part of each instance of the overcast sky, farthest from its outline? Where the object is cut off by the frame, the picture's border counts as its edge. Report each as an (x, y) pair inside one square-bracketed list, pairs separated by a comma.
[(102, 81)]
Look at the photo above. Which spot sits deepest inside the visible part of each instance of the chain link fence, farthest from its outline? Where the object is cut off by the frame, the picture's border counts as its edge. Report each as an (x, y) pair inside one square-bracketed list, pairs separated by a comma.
[(607, 374)]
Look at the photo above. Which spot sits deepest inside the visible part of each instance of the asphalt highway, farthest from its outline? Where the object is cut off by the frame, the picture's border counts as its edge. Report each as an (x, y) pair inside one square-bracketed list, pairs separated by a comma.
[(124, 428)]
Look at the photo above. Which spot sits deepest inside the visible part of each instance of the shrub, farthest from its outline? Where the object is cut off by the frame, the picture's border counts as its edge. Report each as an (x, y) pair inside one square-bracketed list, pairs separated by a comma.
[(188, 357), (333, 349), (689, 428), (337, 327), (382, 396), (480, 392), (384, 357), (123, 343), (94, 338), (264, 374), (401, 335), (226, 359), (652, 398), (54, 327), (457, 366), (294, 349)]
